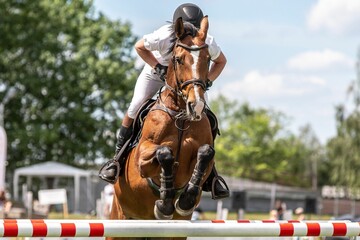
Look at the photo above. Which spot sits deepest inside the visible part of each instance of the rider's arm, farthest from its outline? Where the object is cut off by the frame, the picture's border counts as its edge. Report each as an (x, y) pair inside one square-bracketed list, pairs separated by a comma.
[(217, 67), (145, 54)]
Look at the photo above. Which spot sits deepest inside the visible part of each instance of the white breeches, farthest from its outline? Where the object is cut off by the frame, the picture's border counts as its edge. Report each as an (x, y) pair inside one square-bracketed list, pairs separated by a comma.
[(147, 85)]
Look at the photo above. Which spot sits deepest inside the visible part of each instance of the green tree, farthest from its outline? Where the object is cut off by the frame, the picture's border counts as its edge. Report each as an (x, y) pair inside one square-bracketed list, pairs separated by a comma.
[(311, 164), (344, 149), (73, 71), (255, 144)]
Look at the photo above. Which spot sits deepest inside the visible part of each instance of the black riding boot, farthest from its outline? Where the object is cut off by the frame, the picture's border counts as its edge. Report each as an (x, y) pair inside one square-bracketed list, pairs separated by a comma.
[(110, 170), (217, 185)]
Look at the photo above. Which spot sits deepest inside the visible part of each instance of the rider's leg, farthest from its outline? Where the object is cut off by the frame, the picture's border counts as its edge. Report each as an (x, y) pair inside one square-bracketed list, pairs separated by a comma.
[(124, 133), (110, 170), (147, 84)]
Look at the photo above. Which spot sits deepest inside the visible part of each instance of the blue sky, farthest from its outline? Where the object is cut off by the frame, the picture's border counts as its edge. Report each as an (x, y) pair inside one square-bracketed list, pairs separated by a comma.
[(297, 57)]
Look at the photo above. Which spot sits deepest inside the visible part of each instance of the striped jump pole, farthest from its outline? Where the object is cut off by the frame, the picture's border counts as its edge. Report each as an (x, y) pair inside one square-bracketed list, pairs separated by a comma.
[(174, 228)]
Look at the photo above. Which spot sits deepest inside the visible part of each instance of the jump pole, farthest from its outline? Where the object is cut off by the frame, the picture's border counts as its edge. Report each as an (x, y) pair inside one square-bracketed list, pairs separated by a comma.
[(174, 228)]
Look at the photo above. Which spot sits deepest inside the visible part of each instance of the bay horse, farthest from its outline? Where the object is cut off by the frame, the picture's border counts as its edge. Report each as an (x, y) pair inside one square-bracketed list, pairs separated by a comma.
[(164, 173)]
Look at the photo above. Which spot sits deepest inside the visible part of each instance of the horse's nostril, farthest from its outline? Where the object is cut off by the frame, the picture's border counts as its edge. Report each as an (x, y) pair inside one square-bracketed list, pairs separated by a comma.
[(190, 107)]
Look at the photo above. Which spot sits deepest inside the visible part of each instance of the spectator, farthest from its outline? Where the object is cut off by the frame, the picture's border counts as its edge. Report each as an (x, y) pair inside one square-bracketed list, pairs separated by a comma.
[(273, 215), (280, 208), (299, 212), (5, 204)]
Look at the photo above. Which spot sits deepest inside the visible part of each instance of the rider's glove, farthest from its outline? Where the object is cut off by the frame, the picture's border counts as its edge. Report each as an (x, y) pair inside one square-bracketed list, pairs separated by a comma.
[(208, 84), (161, 71)]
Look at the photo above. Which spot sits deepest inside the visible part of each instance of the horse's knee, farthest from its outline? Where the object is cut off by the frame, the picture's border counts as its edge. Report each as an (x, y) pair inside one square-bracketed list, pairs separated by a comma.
[(165, 156), (206, 152)]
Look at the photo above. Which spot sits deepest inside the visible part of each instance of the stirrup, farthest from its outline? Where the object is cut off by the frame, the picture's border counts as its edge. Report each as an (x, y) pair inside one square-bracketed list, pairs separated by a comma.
[(222, 183), (105, 165)]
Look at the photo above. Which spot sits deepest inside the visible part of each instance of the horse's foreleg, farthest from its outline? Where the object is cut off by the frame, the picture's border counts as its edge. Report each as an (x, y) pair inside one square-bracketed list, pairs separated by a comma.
[(185, 204), (164, 207)]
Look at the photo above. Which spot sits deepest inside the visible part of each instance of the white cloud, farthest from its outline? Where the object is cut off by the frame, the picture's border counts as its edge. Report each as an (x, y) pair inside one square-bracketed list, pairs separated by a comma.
[(259, 85), (335, 16), (316, 60), (256, 83), (313, 80)]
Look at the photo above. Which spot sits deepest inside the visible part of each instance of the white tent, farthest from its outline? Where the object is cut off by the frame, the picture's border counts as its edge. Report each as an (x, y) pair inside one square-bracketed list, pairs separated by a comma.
[(55, 170)]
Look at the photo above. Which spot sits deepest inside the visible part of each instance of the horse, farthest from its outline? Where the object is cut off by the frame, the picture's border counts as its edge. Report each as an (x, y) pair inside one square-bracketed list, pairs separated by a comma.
[(164, 173)]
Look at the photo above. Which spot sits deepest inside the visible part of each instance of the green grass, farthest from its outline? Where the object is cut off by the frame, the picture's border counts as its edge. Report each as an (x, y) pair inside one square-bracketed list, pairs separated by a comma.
[(58, 215), (261, 216), (207, 216)]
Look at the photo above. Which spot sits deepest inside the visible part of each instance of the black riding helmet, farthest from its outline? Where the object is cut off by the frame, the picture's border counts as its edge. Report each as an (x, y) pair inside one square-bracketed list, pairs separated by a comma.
[(189, 13)]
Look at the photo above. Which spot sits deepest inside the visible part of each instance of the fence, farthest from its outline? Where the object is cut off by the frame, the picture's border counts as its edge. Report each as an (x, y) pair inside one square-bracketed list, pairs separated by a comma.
[(174, 228)]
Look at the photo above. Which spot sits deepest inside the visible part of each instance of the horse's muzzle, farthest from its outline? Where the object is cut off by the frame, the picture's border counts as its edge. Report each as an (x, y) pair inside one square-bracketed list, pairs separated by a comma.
[(195, 109)]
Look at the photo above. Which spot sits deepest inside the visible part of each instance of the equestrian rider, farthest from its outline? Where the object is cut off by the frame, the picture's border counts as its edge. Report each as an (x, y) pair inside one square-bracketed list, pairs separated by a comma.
[(154, 48)]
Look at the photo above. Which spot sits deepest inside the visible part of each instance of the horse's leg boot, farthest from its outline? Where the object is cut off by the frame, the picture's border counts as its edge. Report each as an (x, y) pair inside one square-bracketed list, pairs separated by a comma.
[(164, 207), (109, 172), (186, 203), (217, 185)]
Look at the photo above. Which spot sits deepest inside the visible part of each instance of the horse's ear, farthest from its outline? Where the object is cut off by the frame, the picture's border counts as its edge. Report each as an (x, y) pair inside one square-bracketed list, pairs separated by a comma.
[(204, 27), (179, 28)]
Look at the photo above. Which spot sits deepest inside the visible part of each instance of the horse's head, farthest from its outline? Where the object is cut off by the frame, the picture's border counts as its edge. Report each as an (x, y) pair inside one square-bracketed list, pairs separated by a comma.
[(190, 65)]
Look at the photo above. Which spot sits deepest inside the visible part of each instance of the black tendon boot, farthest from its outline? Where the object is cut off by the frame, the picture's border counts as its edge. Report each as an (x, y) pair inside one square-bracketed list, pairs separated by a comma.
[(109, 172), (217, 185)]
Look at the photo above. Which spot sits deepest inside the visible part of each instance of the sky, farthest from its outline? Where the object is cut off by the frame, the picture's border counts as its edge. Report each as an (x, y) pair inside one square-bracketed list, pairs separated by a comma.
[(296, 57)]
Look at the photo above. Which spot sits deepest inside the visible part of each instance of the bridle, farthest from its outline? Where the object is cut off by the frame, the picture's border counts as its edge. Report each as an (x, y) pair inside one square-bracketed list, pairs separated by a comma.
[(178, 90), (195, 81)]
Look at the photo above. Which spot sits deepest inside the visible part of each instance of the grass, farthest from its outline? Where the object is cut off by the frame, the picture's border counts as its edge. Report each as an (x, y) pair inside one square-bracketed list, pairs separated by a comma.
[(207, 216), (261, 216), (58, 215)]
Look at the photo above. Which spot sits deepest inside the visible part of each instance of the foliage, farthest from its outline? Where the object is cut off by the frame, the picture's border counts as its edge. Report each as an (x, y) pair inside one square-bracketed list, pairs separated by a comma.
[(73, 71), (255, 144), (344, 148)]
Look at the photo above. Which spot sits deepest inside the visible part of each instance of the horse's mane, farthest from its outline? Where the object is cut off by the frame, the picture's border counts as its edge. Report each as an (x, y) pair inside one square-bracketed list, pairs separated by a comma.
[(189, 30)]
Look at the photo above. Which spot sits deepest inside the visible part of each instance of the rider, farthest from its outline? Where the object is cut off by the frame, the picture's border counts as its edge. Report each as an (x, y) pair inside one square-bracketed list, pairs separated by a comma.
[(153, 48)]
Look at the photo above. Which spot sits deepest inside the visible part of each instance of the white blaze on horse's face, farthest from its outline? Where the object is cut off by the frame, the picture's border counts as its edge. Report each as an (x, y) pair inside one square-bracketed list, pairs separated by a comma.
[(196, 108), (199, 104), (195, 55)]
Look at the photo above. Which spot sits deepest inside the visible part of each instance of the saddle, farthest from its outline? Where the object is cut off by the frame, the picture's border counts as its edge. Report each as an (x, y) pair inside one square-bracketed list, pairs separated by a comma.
[(139, 122)]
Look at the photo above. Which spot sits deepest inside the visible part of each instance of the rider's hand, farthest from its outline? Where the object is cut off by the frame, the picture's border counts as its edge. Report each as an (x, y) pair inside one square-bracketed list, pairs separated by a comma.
[(161, 71)]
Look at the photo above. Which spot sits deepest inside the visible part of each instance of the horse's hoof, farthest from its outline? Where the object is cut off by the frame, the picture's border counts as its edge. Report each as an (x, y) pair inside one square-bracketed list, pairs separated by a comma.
[(160, 216), (181, 211)]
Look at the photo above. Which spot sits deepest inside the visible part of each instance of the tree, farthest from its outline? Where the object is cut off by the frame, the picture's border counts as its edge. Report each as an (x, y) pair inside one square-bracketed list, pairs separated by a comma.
[(255, 144), (73, 71), (344, 149), (313, 157)]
